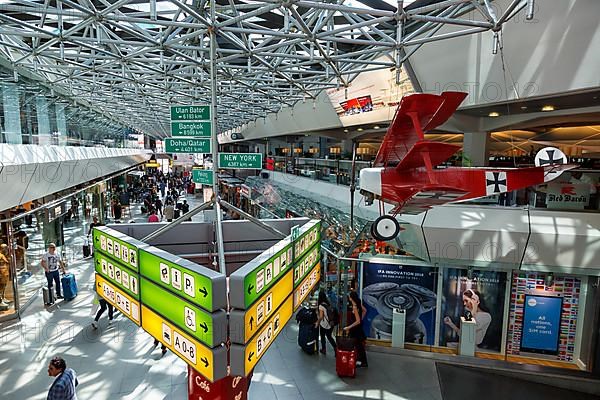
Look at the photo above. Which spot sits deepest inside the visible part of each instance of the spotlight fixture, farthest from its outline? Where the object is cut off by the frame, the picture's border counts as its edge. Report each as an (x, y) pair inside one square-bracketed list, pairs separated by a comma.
[(376, 127), (360, 129), (548, 108), (494, 114), (346, 130)]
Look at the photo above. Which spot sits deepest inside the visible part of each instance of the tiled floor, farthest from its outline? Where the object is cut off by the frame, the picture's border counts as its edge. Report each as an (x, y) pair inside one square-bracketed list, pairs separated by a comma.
[(119, 361)]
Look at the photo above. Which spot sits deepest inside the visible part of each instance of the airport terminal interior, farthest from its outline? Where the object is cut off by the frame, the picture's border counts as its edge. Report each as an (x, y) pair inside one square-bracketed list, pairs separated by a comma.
[(299, 199)]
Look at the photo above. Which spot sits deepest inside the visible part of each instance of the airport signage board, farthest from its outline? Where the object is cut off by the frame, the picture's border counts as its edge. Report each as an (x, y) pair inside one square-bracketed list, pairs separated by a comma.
[(211, 363), (305, 264), (116, 245), (310, 233), (244, 358), (249, 282), (243, 325), (190, 113), (116, 273), (196, 284), (307, 285), (208, 328), (123, 302), (188, 145), (202, 176), (190, 129), (240, 160)]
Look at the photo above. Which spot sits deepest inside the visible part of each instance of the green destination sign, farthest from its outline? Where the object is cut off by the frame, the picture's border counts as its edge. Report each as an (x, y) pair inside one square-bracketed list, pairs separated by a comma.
[(240, 160), (117, 246), (251, 281), (116, 273), (194, 283), (190, 113), (184, 315), (191, 129), (203, 176), (191, 145)]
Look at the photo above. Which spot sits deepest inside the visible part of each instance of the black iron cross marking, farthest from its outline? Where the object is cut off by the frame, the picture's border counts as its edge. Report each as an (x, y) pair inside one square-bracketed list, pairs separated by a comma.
[(496, 182), (551, 160)]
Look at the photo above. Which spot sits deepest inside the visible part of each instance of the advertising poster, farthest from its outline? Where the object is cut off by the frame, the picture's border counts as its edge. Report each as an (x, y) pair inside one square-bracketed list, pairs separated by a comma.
[(389, 286), (541, 324), (483, 295)]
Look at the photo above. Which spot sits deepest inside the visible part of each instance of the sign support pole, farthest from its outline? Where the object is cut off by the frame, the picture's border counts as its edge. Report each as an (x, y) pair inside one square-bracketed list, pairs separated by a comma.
[(215, 142)]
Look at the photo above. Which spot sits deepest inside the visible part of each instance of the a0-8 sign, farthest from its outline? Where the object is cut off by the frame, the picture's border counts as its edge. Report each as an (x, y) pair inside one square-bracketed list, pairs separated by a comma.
[(184, 347)]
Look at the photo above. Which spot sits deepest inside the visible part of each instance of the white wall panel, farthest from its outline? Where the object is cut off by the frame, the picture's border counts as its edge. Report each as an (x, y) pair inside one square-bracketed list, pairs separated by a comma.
[(32, 172), (474, 235), (569, 240), (555, 52)]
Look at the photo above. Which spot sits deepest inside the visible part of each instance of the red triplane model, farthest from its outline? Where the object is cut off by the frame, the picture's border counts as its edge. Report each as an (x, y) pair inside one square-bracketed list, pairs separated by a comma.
[(405, 173)]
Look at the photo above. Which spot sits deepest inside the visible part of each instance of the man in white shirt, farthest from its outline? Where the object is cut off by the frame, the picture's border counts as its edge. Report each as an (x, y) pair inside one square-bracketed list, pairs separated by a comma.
[(51, 262)]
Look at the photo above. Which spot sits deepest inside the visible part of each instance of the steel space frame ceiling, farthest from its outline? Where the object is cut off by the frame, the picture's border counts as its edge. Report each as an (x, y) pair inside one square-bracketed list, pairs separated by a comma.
[(131, 59)]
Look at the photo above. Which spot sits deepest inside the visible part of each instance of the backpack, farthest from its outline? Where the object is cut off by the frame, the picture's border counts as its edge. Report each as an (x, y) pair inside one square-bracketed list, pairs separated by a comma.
[(333, 317)]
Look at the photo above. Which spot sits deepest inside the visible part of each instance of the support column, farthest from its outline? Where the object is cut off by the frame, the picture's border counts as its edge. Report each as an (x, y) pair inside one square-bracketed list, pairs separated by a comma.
[(61, 124), (476, 149), (12, 114), (215, 143), (43, 120)]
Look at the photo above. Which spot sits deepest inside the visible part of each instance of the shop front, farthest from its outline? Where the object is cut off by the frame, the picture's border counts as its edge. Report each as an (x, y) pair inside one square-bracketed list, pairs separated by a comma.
[(519, 316), (26, 232)]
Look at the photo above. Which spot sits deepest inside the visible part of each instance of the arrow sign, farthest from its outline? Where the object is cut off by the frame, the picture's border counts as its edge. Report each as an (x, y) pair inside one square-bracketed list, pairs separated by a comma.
[(250, 287), (204, 361), (203, 291), (251, 321), (250, 356), (204, 327)]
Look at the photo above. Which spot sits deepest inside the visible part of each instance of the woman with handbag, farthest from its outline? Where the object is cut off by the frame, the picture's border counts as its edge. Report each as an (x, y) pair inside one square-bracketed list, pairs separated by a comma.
[(355, 329)]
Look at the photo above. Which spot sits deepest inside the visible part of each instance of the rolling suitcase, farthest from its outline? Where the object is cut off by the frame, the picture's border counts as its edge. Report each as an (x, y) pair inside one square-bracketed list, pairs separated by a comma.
[(345, 363), (48, 296), (69, 286), (87, 251)]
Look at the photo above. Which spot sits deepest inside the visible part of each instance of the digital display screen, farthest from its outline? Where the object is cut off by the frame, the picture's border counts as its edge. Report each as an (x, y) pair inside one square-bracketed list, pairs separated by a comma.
[(541, 324)]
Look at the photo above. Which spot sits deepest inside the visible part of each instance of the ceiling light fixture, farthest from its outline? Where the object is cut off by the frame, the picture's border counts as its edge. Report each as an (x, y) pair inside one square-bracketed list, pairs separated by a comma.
[(376, 127), (360, 129), (346, 130), (494, 114), (548, 108)]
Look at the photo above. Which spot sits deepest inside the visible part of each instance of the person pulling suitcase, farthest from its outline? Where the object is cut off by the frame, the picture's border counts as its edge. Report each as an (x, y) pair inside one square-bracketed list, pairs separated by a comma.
[(52, 262)]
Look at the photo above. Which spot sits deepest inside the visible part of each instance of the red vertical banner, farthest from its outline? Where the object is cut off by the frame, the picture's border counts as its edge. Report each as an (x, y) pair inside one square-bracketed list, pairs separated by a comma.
[(228, 388)]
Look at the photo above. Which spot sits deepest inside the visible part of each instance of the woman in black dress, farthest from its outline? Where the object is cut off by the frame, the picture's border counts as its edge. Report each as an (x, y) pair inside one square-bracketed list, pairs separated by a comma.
[(355, 329)]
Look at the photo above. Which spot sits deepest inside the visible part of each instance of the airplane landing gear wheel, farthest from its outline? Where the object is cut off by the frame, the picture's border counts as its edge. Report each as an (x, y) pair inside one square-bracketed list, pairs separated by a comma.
[(385, 228)]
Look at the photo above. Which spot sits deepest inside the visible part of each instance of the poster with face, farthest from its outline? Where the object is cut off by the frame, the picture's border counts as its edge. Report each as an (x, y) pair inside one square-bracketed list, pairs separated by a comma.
[(483, 296), (389, 286)]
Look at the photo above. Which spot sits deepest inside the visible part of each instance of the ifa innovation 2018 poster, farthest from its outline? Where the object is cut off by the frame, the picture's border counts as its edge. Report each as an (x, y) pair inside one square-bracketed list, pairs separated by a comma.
[(389, 286)]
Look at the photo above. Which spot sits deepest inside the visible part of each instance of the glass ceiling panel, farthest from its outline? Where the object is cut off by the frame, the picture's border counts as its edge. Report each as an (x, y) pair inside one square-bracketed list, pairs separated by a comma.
[(129, 59)]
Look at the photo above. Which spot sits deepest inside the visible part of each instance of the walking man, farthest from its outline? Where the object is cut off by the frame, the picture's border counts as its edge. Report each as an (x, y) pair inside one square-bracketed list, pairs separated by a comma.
[(63, 387), (51, 262)]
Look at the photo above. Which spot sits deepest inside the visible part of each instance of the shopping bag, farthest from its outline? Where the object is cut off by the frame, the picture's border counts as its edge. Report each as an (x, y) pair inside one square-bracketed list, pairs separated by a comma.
[(95, 304)]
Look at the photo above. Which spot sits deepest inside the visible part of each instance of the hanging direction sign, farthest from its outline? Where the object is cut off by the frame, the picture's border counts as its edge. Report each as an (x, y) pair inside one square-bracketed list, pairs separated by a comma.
[(305, 264), (209, 328), (126, 304), (190, 129), (310, 233), (188, 145), (240, 160), (116, 273), (244, 358), (307, 285), (194, 283), (244, 324), (116, 245), (202, 176), (190, 113), (211, 363), (249, 282)]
